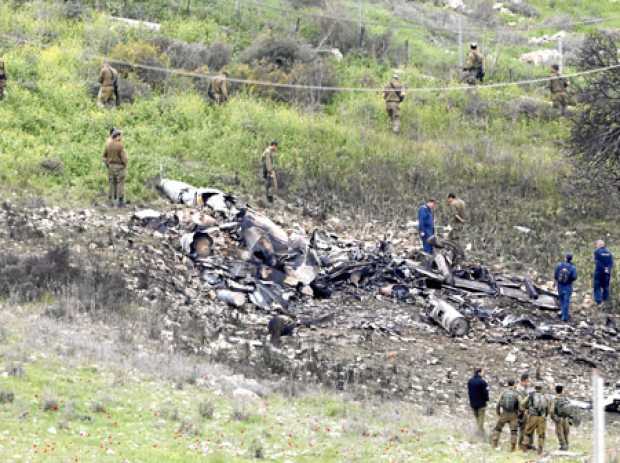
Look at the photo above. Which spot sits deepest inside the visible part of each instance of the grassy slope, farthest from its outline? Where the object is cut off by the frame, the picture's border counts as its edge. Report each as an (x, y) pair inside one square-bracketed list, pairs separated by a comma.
[(142, 413), (48, 113)]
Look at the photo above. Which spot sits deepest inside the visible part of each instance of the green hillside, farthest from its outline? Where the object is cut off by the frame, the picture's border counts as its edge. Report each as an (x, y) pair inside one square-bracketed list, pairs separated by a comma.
[(336, 148)]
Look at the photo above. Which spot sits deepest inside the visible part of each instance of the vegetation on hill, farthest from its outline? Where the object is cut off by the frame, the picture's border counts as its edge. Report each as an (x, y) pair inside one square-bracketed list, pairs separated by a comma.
[(500, 149)]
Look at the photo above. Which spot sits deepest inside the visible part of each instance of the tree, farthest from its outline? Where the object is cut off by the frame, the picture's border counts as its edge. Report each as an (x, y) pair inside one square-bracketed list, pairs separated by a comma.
[(595, 135)]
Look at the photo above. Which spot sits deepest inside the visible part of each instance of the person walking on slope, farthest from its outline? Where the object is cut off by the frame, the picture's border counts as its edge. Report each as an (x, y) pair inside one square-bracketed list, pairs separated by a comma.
[(426, 224), (219, 88), (560, 415), (474, 66), (537, 410), (269, 173), (394, 94), (603, 265), (507, 409), (565, 275), (457, 217), (523, 390), (557, 87), (478, 392), (115, 159), (108, 80)]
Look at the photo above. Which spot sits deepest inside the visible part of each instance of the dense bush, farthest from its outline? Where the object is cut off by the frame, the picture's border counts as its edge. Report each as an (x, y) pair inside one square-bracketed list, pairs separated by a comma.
[(92, 287), (193, 56), (145, 54)]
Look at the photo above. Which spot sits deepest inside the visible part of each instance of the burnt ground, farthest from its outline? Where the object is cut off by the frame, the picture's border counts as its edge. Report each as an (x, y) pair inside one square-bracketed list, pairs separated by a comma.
[(373, 345)]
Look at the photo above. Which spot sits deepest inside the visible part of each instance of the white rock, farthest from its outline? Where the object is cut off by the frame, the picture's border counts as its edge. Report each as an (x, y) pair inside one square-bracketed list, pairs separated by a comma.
[(544, 57)]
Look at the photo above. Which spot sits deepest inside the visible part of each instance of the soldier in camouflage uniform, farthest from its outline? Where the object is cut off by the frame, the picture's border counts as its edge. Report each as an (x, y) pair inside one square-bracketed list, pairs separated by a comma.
[(108, 77), (219, 88), (523, 389), (474, 66), (269, 173), (457, 217), (115, 159), (507, 409), (560, 417), (537, 410), (2, 78), (558, 86), (394, 94)]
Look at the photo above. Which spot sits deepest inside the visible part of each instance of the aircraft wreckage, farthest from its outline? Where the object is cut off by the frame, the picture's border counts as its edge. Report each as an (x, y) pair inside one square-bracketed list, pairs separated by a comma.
[(246, 258)]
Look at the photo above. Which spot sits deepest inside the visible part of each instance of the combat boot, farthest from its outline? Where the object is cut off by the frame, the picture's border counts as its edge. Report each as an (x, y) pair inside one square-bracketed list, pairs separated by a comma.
[(513, 447), (121, 203)]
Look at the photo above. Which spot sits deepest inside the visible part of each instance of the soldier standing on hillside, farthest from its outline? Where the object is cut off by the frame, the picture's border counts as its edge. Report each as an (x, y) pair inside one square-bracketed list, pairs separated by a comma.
[(394, 94), (115, 159), (219, 88), (538, 410), (2, 78), (523, 389), (507, 408), (269, 173), (474, 66), (108, 79), (558, 86), (603, 265), (561, 417), (457, 216)]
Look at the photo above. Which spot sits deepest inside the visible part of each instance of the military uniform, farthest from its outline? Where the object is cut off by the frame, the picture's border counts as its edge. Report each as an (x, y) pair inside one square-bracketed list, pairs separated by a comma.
[(457, 218), (2, 78), (219, 88), (507, 409), (269, 173), (115, 158), (107, 79), (474, 67), (523, 393), (557, 87), (394, 94), (562, 422), (538, 409)]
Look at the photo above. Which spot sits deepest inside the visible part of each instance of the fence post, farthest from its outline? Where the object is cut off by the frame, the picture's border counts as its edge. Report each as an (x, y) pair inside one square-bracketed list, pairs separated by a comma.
[(561, 52), (297, 25), (598, 419), (460, 42)]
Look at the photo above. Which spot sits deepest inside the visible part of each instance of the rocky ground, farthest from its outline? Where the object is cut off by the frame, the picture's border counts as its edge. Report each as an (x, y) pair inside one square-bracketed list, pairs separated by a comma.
[(373, 345)]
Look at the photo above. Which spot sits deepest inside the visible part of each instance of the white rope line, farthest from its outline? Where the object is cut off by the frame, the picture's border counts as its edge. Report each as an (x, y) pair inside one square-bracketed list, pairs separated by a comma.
[(350, 89)]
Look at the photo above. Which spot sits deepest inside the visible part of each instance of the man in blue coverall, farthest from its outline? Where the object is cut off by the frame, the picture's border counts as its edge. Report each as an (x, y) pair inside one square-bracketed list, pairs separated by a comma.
[(426, 224), (603, 264), (565, 275)]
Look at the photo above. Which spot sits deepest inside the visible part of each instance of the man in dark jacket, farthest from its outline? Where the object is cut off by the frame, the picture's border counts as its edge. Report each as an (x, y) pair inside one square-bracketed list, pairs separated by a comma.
[(565, 275), (603, 265), (426, 224), (478, 391)]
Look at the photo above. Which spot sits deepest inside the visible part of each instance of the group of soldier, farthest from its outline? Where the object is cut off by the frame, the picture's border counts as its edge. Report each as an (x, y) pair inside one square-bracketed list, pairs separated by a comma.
[(473, 73), (524, 410)]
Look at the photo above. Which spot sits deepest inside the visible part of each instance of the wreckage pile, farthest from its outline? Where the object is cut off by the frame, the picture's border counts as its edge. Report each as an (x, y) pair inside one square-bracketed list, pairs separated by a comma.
[(245, 258), (373, 314)]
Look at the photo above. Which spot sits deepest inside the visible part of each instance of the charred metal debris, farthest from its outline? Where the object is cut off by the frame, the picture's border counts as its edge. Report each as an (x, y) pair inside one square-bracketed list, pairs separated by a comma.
[(243, 258)]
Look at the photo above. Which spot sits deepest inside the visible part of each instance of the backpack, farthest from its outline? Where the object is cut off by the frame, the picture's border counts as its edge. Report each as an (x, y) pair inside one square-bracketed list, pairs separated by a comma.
[(538, 404), (561, 408), (509, 401), (564, 276)]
